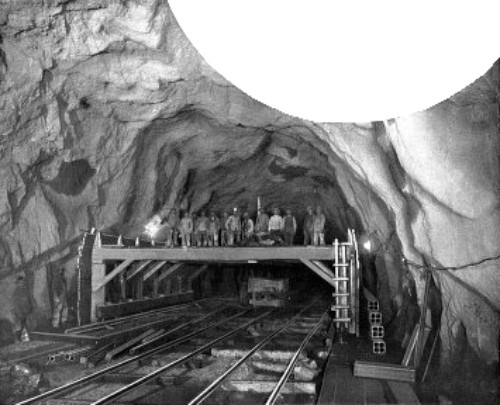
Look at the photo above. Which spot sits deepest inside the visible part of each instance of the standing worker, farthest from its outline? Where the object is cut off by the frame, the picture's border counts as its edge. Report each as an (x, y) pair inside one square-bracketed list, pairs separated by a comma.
[(172, 226), (276, 225), (319, 228), (262, 222), (201, 229), (233, 226), (213, 229), (247, 227), (59, 298), (308, 226), (22, 307), (289, 227), (224, 233), (186, 229)]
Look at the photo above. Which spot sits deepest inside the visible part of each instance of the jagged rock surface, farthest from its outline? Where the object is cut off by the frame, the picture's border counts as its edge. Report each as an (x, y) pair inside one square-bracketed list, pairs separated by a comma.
[(108, 115)]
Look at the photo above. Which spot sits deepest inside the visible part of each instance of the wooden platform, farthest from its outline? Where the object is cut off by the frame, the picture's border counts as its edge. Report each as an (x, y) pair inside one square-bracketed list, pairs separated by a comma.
[(340, 386), (211, 254)]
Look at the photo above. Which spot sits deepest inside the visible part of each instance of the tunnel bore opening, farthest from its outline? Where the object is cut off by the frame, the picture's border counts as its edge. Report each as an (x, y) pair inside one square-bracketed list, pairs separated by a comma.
[(232, 281)]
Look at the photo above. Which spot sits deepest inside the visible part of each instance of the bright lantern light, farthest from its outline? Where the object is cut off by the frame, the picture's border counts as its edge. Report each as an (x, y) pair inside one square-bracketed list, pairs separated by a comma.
[(152, 227), (367, 245)]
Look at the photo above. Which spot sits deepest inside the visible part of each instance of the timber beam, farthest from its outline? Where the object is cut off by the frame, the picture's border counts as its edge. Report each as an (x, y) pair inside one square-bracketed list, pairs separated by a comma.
[(117, 270), (153, 270), (127, 308), (210, 254)]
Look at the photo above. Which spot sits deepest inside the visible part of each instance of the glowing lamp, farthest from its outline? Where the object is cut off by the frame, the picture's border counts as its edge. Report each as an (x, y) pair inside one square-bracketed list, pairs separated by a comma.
[(367, 245), (152, 227)]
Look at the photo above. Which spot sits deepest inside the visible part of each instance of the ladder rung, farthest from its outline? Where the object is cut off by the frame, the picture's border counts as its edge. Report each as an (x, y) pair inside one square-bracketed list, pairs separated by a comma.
[(334, 307), (342, 320), (340, 279), (337, 265), (340, 295)]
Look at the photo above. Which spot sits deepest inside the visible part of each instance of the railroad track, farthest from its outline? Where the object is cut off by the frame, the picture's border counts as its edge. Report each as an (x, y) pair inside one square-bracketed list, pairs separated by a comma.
[(153, 367)]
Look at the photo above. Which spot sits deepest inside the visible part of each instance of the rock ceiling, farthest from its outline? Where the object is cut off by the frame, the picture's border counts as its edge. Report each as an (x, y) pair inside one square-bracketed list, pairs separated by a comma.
[(108, 114)]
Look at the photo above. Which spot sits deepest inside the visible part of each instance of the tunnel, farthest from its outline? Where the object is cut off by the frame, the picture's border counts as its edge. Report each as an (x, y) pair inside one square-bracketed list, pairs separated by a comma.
[(111, 117)]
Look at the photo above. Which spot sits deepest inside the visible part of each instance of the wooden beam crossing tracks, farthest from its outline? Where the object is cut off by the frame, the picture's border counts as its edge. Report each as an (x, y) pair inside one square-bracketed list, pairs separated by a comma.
[(225, 324)]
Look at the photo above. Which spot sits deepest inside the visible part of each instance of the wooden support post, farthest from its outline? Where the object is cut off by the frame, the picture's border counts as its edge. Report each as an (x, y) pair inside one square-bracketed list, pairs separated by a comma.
[(123, 287), (327, 276), (139, 288), (138, 269), (421, 336), (170, 271), (194, 275), (356, 279), (98, 294), (117, 270), (153, 270)]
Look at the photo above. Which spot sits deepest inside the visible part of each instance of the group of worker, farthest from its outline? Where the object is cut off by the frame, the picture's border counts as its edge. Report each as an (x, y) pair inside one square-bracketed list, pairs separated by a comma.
[(237, 229)]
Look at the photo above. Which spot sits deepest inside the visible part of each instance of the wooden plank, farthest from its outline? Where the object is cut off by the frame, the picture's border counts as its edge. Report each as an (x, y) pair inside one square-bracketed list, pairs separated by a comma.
[(197, 273), (368, 295), (117, 270), (127, 308), (65, 337), (219, 254), (117, 350), (153, 270), (170, 271), (411, 348), (383, 371), (130, 377), (322, 267), (97, 294), (403, 393), (141, 267), (35, 352), (318, 271), (340, 387), (266, 387)]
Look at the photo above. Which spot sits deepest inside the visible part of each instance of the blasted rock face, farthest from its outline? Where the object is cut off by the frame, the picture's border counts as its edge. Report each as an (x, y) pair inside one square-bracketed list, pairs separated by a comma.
[(109, 115)]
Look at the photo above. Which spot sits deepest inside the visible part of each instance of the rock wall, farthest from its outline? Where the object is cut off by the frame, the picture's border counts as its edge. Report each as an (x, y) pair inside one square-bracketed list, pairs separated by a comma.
[(108, 115)]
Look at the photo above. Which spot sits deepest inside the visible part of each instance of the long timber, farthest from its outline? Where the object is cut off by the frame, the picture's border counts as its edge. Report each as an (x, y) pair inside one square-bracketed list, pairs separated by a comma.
[(91, 377), (122, 391), (219, 254)]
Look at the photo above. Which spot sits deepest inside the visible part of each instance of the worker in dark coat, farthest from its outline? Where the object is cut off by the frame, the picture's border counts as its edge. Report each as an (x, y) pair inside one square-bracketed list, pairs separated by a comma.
[(289, 227), (59, 298), (186, 229), (308, 226), (213, 229), (319, 227), (201, 229), (224, 233), (172, 225), (22, 306)]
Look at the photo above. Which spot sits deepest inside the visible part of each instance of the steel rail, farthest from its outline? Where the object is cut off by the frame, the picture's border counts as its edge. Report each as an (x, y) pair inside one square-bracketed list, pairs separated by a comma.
[(139, 347), (286, 374), (124, 390), (213, 386), (76, 383), (124, 319)]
